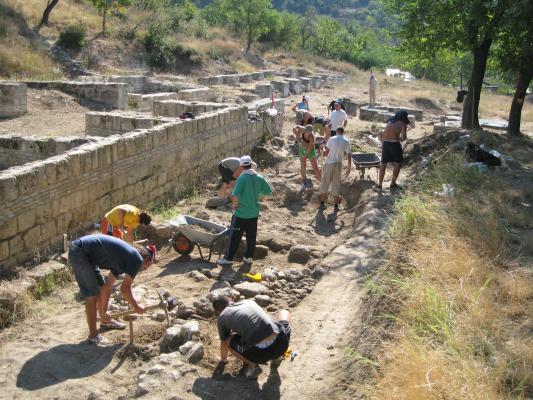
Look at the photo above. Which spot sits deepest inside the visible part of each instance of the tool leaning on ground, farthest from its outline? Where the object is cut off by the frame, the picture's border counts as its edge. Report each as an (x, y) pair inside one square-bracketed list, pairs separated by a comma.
[(165, 305)]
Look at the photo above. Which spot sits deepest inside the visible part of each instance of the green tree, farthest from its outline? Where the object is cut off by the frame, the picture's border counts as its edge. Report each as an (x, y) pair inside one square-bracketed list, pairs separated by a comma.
[(457, 25), (514, 52), (107, 6), (248, 17), (307, 25), (281, 30)]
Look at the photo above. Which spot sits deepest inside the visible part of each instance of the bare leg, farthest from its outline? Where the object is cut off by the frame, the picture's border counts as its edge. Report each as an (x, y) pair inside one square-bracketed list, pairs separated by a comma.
[(90, 311), (395, 173), (283, 315), (236, 354), (382, 169), (303, 162), (314, 164)]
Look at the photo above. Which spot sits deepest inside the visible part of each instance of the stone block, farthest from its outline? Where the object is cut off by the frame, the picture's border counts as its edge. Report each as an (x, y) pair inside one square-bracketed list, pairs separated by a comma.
[(26, 220), (306, 84), (4, 250), (9, 229), (281, 87), (232, 79), (13, 99), (32, 237), (258, 76), (295, 86)]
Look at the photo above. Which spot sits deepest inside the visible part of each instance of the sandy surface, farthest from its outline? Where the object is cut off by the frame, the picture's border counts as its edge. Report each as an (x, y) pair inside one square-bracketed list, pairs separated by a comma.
[(50, 113)]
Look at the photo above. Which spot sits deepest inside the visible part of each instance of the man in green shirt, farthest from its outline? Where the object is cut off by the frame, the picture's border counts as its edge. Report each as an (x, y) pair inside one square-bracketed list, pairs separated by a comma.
[(250, 187)]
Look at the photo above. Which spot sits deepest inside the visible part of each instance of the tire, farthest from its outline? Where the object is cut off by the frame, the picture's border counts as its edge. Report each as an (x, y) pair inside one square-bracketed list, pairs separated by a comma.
[(182, 245)]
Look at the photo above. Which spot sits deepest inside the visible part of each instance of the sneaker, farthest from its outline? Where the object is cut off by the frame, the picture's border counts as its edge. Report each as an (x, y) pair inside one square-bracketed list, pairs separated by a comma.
[(248, 260), (336, 208), (253, 373), (223, 261), (98, 339), (112, 324)]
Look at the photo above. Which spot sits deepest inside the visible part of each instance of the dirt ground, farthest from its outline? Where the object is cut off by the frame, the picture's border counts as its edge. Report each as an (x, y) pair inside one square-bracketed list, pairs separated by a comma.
[(50, 113), (45, 356)]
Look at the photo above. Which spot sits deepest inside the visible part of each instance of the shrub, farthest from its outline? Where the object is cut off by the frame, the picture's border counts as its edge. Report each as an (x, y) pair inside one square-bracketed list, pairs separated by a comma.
[(73, 37)]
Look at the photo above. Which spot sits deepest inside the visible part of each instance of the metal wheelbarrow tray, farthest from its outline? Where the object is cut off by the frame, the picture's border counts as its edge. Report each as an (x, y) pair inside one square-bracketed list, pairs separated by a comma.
[(184, 240), (363, 161)]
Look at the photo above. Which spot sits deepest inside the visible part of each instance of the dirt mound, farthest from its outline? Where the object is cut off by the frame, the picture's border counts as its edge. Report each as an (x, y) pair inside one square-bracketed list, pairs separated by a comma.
[(434, 144), (426, 104)]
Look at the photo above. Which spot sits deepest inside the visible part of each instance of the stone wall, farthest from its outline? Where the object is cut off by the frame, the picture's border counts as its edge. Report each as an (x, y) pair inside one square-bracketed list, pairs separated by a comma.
[(13, 99), (174, 108), (200, 94), (144, 102), (112, 95), (69, 192), (17, 150), (113, 123), (383, 113)]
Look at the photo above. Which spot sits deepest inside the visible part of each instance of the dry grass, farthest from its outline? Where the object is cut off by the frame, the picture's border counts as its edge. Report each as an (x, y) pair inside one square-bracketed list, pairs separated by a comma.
[(19, 60), (460, 299)]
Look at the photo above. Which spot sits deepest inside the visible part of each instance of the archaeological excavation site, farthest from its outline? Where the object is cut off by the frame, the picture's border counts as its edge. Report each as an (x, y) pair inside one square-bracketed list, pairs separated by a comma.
[(250, 200)]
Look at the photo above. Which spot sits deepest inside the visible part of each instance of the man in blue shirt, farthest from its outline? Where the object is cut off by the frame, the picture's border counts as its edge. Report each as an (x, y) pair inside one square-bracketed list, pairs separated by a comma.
[(87, 256), (250, 187)]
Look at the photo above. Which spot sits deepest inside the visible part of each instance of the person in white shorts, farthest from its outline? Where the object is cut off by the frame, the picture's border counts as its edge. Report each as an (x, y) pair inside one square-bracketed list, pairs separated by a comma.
[(337, 148)]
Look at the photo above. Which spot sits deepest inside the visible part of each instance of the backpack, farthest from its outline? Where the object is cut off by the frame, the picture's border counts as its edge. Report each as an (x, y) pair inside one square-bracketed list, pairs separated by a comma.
[(187, 115)]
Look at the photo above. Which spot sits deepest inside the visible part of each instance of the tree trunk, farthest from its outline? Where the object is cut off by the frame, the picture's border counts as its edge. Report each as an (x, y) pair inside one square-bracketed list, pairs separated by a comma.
[(248, 41), (49, 7), (525, 73), (470, 119), (104, 14)]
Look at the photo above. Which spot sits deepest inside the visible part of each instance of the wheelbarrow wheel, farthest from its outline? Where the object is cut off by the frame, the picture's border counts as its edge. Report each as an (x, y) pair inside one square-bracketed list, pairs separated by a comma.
[(182, 245)]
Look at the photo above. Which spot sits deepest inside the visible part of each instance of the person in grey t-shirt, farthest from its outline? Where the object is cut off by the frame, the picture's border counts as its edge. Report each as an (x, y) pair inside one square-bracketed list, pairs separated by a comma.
[(230, 168), (249, 333)]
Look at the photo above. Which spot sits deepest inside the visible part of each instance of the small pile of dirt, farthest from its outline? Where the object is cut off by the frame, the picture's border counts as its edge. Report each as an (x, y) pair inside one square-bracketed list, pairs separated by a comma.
[(135, 352), (426, 104), (204, 229)]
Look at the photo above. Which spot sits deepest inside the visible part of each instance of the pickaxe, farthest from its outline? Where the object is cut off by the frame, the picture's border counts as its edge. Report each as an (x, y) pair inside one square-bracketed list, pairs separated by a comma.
[(165, 305)]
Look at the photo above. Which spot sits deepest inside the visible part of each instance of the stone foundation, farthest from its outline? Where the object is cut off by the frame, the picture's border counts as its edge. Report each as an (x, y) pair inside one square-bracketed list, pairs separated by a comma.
[(69, 192), (383, 113), (295, 86), (307, 84), (144, 102), (16, 150), (198, 94), (174, 108), (113, 123), (350, 107), (281, 87), (264, 90), (13, 99), (111, 95)]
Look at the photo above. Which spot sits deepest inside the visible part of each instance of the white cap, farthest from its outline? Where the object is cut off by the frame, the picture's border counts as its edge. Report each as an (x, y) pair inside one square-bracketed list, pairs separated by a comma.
[(307, 98), (246, 160)]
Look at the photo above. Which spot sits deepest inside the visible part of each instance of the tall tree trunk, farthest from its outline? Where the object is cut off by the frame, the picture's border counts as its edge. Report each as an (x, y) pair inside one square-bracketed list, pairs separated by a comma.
[(525, 73), (470, 119), (104, 14), (248, 41), (49, 7)]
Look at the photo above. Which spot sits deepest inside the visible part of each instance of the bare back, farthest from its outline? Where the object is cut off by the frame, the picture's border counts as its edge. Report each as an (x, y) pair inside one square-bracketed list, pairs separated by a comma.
[(395, 132)]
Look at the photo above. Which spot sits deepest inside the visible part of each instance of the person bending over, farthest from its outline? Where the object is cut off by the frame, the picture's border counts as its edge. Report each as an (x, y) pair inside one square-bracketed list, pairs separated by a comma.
[(122, 220), (90, 254), (250, 334)]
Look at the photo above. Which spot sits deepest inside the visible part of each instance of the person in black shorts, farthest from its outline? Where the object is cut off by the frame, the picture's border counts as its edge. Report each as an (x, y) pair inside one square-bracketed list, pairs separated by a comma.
[(392, 151), (249, 333)]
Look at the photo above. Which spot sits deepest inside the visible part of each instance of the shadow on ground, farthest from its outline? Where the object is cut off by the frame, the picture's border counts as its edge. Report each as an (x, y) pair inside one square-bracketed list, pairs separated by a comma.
[(64, 362)]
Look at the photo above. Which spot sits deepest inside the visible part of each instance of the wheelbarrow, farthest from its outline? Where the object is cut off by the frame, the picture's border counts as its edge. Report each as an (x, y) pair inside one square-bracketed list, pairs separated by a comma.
[(363, 161), (187, 236)]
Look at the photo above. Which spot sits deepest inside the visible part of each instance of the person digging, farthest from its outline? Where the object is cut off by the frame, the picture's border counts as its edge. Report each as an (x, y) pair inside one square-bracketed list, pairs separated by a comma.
[(391, 148), (307, 151), (90, 254), (230, 169), (250, 187), (247, 331), (122, 221)]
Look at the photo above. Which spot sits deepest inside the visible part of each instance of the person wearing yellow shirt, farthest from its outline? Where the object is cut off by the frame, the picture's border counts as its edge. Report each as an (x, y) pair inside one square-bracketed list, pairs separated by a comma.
[(122, 220)]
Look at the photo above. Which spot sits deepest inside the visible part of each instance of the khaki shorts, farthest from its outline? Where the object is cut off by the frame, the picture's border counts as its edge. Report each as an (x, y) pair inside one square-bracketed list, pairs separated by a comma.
[(331, 176)]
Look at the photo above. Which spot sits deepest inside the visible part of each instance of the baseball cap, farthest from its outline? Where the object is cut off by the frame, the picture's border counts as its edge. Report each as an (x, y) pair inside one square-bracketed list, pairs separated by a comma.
[(337, 102), (307, 97), (246, 160), (309, 128)]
